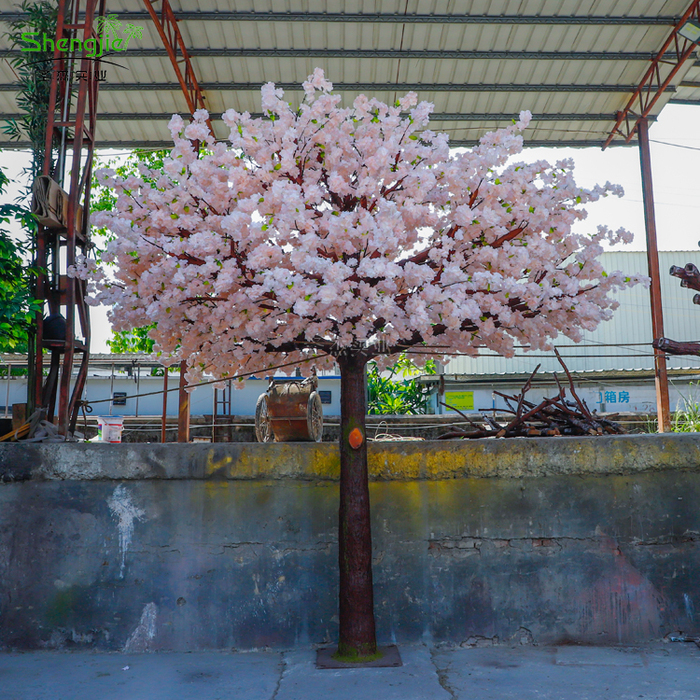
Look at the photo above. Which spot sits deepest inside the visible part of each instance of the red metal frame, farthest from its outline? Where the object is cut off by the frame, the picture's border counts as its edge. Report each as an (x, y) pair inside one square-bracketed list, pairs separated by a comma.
[(657, 78), (70, 110), (166, 25), (663, 409)]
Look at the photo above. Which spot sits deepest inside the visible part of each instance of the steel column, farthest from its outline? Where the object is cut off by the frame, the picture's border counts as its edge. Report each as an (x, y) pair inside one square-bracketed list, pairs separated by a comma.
[(657, 319), (165, 405), (7, 397), (183, 416)]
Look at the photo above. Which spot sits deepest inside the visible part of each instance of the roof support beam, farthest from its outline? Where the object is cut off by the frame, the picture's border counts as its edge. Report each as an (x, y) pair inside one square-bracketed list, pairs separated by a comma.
[(166, 26), (454, 143), (392, 53), (227, 16), (435, 117), (658, 77), (373, 87)]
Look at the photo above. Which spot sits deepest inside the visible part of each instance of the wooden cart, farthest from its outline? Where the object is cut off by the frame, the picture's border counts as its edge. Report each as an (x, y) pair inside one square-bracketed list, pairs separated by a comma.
[(290, 411)]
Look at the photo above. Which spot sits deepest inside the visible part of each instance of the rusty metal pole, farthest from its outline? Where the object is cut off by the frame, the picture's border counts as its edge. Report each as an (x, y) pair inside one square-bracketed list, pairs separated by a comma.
[(165, 404), (657, 318), (183, 414)]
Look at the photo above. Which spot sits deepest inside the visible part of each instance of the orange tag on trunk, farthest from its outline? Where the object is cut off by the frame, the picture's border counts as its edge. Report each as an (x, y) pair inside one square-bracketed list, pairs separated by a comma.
[(356, 439)]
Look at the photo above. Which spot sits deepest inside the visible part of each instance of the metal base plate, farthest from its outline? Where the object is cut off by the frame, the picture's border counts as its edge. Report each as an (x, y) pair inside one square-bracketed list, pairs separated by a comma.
[(390, 658)]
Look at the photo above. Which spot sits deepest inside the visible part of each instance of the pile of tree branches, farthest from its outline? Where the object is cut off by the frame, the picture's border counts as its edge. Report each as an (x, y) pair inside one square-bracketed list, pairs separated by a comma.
[(553, 416)]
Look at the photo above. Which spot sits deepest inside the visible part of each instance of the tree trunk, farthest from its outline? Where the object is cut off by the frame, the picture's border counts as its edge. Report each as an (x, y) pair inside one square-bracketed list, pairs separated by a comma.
[(357, 638)]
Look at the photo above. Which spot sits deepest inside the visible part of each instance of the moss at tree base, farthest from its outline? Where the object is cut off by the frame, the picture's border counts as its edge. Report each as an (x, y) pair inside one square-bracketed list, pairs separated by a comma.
[(355, 656)]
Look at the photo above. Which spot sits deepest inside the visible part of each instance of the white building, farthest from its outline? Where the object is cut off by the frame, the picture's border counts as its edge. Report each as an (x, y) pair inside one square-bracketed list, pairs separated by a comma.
[(612, 366)]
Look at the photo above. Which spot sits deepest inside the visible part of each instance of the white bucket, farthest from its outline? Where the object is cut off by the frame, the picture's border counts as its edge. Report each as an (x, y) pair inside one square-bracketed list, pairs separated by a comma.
[(109, 428)]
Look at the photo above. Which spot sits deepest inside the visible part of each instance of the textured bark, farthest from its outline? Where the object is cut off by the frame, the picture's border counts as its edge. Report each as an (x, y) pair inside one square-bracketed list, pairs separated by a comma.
[(689, 276), (357, 636), (674, 347)]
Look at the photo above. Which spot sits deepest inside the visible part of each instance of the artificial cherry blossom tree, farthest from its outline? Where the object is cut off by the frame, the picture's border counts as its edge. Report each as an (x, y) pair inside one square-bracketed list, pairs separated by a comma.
[(344, 234)]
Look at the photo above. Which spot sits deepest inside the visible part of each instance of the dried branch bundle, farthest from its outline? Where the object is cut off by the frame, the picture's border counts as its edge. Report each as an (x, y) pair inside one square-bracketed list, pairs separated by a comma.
[(553, 416)]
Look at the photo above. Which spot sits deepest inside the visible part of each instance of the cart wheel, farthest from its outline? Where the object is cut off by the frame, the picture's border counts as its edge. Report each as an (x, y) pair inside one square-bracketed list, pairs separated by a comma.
[(263, 427), (314, 417)]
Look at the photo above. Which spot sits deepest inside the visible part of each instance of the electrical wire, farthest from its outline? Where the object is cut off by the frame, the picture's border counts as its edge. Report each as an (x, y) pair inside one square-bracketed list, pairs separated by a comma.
[(676, 145), (217, 381)]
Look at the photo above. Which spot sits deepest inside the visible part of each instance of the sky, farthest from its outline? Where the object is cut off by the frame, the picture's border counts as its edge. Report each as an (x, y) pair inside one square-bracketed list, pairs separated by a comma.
[(675, 154)]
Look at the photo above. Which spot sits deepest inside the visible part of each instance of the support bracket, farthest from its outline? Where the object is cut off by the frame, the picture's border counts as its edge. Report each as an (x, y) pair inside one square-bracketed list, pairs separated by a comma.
[(658, 77)]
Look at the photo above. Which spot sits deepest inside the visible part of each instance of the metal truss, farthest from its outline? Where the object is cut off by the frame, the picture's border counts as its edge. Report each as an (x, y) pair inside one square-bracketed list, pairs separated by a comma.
[(664, 67), (393, 53), (431, 87), (398, 18), (455, 143), (435, 117), (70, 131), (166, 25)]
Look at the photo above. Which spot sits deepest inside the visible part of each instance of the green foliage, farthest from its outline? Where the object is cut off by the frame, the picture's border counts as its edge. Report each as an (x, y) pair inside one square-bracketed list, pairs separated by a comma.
[(136, 340), (104, 199), (687, 416), (390, 396), (16, 371), (17, 306), (33, 71)]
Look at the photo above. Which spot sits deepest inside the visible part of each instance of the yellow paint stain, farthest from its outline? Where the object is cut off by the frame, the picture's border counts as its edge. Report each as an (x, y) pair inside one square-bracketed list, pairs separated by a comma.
[(217, 489), (212, 466), (287, 460), (437, 462), (325, 464), (431, 464)]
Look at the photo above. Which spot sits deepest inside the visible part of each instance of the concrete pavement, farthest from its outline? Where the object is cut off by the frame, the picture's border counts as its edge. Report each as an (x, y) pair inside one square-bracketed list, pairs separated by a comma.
[(659, 672)]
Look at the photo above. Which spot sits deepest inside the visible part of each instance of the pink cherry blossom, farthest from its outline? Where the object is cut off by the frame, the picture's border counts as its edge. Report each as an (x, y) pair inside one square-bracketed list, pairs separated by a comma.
[(322, 228)]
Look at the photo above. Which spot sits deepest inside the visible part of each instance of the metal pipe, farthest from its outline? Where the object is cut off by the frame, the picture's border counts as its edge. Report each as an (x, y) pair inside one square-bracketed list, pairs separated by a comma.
[(183, 414), (7, 396), (111, 390), (165, 404), (657, 319), (138, 388), (214, 414), (220, 16)]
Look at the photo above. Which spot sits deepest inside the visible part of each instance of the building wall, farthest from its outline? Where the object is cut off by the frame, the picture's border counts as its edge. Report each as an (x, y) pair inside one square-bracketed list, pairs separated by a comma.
[(621, 343), (602, 395), (99, 390), (631, 323), (188, 547), (637, 396)]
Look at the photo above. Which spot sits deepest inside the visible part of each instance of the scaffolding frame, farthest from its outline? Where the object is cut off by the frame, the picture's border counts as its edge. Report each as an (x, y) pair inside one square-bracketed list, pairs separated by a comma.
[(72, 118)]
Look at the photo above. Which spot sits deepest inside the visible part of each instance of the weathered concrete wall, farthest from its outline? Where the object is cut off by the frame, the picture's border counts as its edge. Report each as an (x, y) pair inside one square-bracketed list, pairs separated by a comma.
[(593, 540)]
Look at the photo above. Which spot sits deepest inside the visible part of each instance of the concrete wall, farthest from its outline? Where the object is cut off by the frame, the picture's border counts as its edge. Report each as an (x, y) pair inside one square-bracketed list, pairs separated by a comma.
[(590, 540)]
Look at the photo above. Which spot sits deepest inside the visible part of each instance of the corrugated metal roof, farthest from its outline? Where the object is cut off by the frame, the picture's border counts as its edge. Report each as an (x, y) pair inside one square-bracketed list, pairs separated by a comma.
[(624, 342), (573, 64)]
